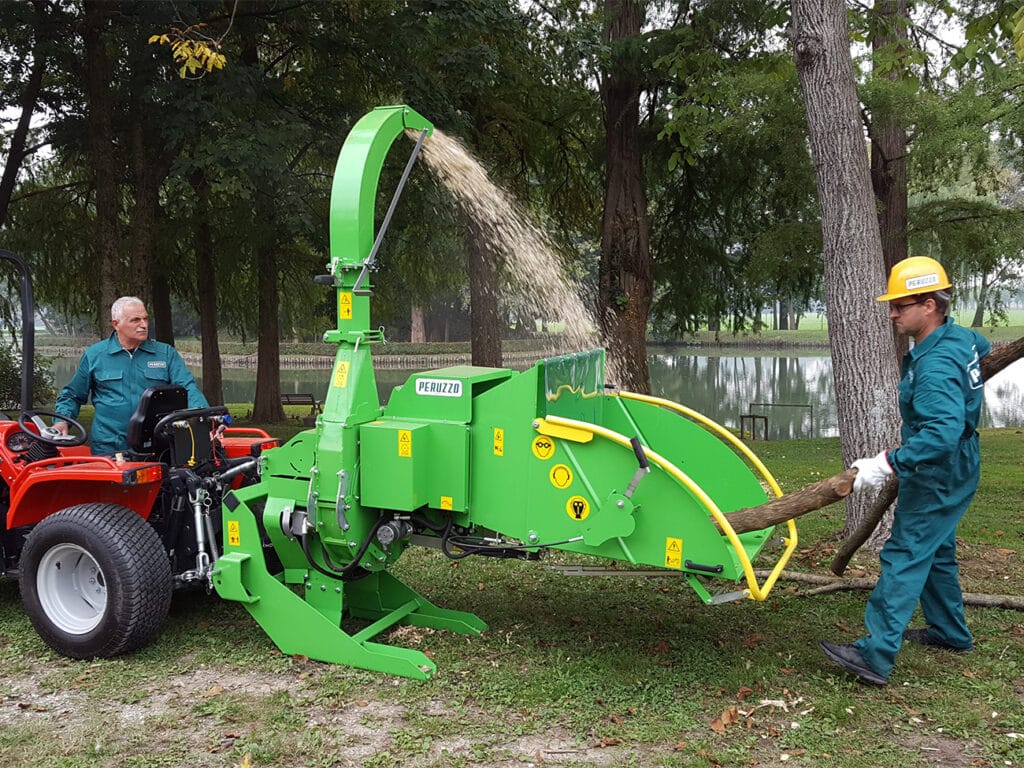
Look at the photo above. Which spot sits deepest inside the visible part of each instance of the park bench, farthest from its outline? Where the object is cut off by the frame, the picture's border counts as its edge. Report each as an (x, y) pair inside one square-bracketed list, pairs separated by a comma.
[(302, 398)]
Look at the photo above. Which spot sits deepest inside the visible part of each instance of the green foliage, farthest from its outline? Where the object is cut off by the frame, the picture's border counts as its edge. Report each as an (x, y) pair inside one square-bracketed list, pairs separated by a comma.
[(10, 381)]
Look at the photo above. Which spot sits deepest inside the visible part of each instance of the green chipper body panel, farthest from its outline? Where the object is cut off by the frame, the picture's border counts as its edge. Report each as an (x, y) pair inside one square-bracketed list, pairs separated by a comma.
[(472, 460)]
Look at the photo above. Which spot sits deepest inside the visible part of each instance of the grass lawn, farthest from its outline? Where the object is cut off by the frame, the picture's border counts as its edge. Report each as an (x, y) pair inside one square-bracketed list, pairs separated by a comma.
[(572, 671)]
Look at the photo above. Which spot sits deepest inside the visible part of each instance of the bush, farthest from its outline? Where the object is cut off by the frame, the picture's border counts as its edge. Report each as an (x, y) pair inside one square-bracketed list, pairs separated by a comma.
[(10, 380)]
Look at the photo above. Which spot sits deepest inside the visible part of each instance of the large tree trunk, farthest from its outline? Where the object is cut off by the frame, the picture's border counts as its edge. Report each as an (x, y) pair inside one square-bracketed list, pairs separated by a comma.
[(626, 283), (267, 403), (206, 291), (417, 325), (98, 75), (27, 104), (979, 311), (889, 141), (860, 336), (484, 315)]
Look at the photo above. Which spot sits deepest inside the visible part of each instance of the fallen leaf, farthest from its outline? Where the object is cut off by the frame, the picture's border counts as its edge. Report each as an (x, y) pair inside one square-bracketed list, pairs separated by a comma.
[(743, 693), (752, 641), (679, 747), (480, 587), (209, 693), (717, 725)]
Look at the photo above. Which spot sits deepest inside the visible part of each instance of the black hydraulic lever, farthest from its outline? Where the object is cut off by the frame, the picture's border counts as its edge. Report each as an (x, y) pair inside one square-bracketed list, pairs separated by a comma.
[(642, 470)]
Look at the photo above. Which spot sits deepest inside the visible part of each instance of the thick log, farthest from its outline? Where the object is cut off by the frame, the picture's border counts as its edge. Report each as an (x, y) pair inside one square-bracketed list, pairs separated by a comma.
[(991, 364), (807, 499)]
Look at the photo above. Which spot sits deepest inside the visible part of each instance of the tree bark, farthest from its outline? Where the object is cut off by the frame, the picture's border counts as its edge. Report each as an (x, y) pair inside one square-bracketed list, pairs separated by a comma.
[(485, 318), (889, 142), (626, 282), (860, 334), (97, 72), (206, 291)]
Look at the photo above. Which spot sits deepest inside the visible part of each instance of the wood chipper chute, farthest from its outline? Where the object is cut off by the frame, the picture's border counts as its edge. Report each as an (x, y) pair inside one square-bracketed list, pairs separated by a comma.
[(472, 460)]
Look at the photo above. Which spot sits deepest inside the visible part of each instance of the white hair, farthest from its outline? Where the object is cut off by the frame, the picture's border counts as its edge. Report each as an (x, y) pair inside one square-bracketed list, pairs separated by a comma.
[(118, 307)]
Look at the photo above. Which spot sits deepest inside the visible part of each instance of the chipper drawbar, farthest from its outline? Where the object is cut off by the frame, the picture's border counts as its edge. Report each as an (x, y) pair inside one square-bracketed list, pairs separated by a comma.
[(471, 460)]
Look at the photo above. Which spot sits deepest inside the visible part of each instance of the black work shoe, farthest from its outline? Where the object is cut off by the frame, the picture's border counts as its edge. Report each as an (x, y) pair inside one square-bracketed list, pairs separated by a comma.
[(924, 637), (849, 658)]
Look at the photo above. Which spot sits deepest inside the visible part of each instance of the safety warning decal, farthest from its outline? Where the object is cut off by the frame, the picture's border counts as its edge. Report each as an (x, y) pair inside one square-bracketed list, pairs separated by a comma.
[(341, 374), (560, 476), (499, 441), (577, 507), (344, 305), (543, 447), (405, 443), (446, 502), (234, 536), (673, 553)]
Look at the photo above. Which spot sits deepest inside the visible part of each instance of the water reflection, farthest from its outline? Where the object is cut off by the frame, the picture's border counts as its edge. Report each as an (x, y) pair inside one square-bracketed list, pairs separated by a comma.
[(795, 394)]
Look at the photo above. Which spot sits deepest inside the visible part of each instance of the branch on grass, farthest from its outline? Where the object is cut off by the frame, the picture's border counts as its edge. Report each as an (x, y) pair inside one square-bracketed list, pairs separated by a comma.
[(826, 584)]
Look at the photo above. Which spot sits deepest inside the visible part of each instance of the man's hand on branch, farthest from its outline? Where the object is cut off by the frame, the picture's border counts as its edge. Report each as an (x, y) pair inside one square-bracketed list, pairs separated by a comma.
[(871, 473)]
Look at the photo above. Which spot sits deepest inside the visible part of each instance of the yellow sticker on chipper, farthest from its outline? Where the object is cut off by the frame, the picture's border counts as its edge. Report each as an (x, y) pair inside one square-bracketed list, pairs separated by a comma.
[(560, 476), (499, 441), (405, 443), (577, 507), (344, 305), (234, 536), (446, 502), (543, 447), (673, 552), (341, 374)]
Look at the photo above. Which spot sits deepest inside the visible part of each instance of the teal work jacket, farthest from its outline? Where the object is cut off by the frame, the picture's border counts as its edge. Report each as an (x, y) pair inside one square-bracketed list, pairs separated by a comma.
[(115, 379), (940, 399)]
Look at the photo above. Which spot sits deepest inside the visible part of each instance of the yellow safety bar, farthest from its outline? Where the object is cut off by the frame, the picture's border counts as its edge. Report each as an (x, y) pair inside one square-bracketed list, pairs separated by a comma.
[(756, 592)]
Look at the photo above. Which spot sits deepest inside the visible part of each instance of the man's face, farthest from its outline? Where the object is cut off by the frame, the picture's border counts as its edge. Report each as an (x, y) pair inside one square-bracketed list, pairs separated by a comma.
[(133, 327), (911, 315)]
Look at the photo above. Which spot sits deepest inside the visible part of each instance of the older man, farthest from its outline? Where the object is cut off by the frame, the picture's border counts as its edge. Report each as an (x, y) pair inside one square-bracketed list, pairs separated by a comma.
[(115, 372)]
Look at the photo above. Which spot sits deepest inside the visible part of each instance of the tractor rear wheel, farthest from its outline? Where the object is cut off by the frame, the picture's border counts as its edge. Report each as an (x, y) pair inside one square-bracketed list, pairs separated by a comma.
[(95, 581)]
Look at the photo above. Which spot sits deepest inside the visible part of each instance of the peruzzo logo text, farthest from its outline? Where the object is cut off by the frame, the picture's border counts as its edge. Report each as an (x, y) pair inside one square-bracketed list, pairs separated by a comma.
[(439, 387)]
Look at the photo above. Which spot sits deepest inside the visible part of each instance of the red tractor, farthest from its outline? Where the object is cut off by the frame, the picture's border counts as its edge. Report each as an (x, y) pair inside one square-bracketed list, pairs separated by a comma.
[(100, 543)]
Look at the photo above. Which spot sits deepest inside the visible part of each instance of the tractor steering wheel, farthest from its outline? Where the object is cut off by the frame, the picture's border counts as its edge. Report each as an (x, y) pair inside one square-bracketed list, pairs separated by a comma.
[(49, 434)]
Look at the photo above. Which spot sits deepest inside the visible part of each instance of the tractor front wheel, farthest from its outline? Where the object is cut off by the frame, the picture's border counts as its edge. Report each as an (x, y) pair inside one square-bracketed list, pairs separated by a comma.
[(95, 581)]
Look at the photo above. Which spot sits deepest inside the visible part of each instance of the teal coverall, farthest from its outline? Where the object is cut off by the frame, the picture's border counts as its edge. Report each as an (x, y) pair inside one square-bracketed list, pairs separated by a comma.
[(938, 466), (116, 379)]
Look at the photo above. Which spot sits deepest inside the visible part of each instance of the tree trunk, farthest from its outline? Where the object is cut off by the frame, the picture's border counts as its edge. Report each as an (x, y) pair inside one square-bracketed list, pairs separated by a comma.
[(626, 283), (860, 335), (206, 292), (98, 75), (484, 315), (889, 142), (979, 312), (267, 402), (27, 104), (417, 325), (160, 305)]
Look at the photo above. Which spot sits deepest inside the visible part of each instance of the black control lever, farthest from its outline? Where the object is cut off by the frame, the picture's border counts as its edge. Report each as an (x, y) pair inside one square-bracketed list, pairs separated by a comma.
[(643, 470)]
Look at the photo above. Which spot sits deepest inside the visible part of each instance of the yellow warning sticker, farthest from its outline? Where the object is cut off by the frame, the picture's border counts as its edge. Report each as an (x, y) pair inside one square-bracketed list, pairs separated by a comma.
[(560, 476), (499, 441), (341, 374), (543, 447), (673, 552), (234, 537), (344, 305), (577, 507), (446, 502), (405, 443)]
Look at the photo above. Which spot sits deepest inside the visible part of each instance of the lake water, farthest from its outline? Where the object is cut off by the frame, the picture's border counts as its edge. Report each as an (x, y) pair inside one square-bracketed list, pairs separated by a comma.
[(795, 394)]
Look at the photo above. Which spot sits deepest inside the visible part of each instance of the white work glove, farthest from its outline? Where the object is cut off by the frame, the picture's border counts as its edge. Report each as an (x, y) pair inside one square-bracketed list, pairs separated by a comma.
[(871, 473)]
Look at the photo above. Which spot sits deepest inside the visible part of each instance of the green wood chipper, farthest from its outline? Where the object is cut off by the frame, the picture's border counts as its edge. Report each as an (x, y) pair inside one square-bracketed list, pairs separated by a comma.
[(473, 461)]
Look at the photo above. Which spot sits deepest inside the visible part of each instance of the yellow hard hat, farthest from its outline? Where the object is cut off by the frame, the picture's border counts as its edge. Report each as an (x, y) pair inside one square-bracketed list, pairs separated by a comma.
[(918, 274)]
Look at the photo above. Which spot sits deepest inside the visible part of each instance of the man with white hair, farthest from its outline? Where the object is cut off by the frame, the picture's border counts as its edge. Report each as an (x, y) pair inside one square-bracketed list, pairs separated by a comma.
[(115, 372)]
